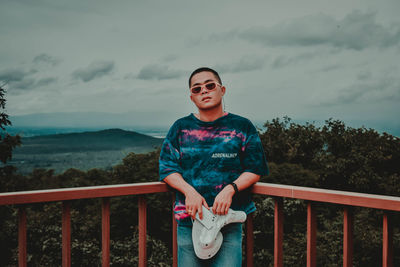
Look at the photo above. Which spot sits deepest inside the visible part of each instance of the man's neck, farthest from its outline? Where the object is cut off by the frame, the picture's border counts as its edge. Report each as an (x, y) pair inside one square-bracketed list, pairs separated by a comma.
[(210, 115)]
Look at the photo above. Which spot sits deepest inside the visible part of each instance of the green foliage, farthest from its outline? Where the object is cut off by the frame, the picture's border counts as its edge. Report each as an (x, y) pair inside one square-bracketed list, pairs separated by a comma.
[(335, 157), (8, 238), (287, 142), (125, 252), (332, 156), (291, 174), (339, 157), (7, 142)]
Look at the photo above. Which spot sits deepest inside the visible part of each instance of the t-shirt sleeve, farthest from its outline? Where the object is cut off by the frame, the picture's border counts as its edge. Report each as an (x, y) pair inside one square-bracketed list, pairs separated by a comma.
[(253, 158), (170, 155)]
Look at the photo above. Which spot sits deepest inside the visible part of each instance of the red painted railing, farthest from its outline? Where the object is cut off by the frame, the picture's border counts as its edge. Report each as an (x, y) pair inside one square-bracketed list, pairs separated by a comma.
[(348, 199)]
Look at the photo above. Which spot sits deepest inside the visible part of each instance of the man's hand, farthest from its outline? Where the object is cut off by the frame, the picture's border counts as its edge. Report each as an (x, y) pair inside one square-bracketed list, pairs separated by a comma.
[(194, 202), (223, 200)]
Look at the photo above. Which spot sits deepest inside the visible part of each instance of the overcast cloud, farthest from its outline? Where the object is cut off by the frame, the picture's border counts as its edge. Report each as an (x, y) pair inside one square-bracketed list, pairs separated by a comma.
[(94, 70), (309, 61), (17, 78), (246, 63), (46, 81), (158, 72), (356, 30), (46, 59)]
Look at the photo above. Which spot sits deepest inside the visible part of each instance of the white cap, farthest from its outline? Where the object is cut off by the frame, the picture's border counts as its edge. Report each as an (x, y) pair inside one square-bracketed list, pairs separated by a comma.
[(208, 250), (206, 235)]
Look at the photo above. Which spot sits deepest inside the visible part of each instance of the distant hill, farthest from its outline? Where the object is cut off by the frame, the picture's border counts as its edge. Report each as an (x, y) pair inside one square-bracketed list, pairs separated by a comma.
[(102, 120), (111, 139), (85, 150)]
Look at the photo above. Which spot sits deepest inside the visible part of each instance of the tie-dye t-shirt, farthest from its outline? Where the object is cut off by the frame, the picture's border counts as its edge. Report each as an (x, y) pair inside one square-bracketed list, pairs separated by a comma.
[(210, 155)]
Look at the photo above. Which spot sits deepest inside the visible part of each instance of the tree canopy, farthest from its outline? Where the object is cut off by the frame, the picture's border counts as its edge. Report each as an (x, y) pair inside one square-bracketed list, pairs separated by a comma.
[(7, 142)]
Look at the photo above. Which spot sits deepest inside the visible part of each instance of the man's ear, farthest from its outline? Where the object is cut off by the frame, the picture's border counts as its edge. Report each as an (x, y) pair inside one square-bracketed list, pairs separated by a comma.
[(223, 90), (191, 98)]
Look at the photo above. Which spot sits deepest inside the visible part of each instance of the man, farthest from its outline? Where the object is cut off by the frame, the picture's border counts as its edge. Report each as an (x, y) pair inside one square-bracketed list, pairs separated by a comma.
[(211, 159)]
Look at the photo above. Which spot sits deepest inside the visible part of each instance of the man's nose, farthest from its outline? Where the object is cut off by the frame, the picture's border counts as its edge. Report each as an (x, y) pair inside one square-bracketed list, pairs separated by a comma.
[(204, 90)]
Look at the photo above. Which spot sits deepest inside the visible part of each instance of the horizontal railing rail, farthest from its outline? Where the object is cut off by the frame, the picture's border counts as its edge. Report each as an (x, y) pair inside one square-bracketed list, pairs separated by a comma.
[(63, 194), (312, 195), (329, 196)]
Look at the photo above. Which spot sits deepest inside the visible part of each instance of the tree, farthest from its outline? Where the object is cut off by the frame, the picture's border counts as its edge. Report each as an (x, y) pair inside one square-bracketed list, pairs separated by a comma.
[(7, 142)]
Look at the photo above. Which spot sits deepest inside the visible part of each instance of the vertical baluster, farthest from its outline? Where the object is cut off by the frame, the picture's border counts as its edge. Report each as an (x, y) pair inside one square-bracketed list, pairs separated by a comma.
[(66, 234), (105, 231), (174, 236), (22, 237), (348, 220), (278, 233), (142, 232), (311, 236), (387, 248), (249, 241)]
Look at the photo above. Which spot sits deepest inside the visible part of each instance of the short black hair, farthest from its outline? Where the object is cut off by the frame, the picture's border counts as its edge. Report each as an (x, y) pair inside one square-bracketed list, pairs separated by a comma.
[(202, 69)]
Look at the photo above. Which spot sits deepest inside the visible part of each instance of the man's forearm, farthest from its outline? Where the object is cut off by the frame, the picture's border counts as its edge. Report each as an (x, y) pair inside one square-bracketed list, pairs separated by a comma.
[(223, 200), (246, 180), (175, 180)]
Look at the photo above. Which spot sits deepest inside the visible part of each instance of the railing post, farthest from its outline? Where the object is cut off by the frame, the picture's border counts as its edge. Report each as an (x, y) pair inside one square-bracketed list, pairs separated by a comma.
[(249, 241), (105, 232), (387, 248), (66, 234), (22, 237), (311, 236), (348, 225), (174, 236), (142, 232), (278, 233)]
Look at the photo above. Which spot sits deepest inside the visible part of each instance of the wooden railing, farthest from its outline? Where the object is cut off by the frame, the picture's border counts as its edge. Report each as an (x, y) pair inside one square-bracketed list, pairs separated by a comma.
[(347, 199), (312, 195)]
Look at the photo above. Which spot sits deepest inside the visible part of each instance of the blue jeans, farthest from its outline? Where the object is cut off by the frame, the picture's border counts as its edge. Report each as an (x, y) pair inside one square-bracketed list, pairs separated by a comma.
[(229, 255)]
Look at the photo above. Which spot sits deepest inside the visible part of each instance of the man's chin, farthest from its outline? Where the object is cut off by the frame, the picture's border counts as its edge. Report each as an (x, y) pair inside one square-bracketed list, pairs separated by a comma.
[(209, 107)]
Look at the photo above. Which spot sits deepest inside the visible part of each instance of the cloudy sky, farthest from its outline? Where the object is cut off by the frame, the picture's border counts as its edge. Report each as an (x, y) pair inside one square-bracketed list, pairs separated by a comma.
[(310, 60)]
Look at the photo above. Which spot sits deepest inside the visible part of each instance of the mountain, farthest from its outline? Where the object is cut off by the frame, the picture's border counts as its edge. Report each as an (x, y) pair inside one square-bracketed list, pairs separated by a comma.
[(85, 150), (111, 139)]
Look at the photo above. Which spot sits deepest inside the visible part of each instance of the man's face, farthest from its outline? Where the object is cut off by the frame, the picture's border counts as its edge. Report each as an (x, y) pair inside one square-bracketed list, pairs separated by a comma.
[(207, 99)]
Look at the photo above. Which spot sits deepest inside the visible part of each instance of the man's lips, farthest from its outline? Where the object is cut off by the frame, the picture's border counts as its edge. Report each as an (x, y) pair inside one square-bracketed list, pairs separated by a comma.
[(206, 98)]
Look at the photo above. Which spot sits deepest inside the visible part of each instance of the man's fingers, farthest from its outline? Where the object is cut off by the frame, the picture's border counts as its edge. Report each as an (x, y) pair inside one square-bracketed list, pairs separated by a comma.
[(226, 209), (192, 213), (200, 213), (216, 208), (205, 204), (222, 209)]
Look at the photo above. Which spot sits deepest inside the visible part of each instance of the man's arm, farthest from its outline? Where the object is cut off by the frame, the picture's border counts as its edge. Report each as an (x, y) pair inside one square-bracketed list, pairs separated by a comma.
[(193, 200), (223, 200)]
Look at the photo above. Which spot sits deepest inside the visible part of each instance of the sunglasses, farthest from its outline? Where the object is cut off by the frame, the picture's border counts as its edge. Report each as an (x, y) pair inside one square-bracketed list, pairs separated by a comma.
[(209, 86)]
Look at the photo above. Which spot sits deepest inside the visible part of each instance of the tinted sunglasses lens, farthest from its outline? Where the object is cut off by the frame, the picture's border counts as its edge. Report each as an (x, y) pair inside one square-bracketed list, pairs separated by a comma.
[(196, 90), (211, 86)]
